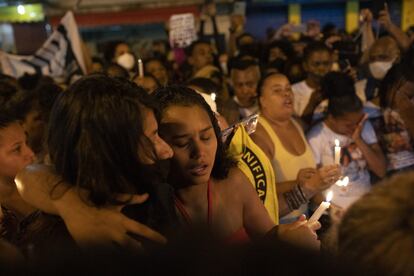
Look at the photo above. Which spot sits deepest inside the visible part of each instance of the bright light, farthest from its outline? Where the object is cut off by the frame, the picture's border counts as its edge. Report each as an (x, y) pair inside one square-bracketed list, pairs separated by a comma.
[(329, 196), (213, 96), (345, 181), (336, 143), (21, 9)]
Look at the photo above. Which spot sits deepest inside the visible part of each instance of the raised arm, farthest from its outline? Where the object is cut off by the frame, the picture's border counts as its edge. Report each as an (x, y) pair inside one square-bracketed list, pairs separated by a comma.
[(367, 35), (372, 153), (385, 20)]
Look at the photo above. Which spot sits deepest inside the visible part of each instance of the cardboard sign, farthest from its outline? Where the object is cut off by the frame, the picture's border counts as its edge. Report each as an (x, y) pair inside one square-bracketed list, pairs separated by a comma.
[(182, 30)]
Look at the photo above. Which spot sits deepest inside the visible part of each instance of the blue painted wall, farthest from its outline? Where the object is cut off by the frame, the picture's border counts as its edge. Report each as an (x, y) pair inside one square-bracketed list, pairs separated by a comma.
[(263, 14)]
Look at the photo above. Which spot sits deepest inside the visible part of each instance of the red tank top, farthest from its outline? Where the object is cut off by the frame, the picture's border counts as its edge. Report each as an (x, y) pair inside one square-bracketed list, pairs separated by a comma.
[(240, 236)]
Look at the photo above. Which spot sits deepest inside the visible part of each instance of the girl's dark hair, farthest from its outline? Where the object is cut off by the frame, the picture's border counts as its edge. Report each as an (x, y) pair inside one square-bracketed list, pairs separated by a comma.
[(95, 129), (341, 105), (116, 70), (314, 47), (336, 84), (13, 101), (147, 75), (284, 45), (339, 89), (6, 119), (177, 95), (206, 85)]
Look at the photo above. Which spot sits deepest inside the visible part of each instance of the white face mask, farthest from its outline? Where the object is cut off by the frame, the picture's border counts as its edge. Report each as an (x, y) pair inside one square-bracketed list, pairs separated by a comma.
[(379, 69), (126, 60)]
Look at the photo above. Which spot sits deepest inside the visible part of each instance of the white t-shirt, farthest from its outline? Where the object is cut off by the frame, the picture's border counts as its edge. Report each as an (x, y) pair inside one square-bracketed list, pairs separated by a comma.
[(302, 94), (322, 141), (247, 111)]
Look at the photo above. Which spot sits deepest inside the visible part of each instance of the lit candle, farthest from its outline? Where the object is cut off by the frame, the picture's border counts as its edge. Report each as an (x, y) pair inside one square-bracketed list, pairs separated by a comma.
[(337, 152), (321, 209), (213, 96), (343, 182), (140, 68)]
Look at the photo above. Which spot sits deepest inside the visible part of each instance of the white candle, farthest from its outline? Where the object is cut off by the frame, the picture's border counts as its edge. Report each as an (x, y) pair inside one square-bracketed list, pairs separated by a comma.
[(321, 209), (337, 160), (213, 96), (140, 68)]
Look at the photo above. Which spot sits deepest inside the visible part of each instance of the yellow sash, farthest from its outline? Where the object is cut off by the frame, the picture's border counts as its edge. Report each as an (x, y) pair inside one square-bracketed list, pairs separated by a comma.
[(253, 162)]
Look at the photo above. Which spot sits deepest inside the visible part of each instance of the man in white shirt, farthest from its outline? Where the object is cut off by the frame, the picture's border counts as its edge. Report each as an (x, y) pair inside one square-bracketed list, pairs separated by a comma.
[(317, 63)]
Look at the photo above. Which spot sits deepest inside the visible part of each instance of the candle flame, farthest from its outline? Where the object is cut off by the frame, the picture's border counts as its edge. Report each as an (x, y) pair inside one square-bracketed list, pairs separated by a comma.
[(345, 181), (329, 196), (213, 96), (336, 143)]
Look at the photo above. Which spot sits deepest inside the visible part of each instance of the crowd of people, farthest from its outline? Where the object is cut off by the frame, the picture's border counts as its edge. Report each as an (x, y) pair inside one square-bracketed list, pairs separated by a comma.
[(136, 164)]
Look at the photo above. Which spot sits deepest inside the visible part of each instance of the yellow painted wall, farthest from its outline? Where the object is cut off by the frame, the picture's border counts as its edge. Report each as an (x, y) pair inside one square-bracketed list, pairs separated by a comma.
[(407, 14), (351, 15)]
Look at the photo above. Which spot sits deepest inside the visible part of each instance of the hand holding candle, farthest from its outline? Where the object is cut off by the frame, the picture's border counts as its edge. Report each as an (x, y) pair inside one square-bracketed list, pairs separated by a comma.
[(337, 160), (321, 209)]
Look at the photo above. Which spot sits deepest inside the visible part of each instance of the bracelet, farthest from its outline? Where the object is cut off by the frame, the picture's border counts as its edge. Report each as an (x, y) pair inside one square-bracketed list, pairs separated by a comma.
[(295, 198)]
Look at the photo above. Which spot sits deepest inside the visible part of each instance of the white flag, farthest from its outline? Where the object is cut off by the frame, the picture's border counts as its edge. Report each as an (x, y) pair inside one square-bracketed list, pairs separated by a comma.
[(60, 57)]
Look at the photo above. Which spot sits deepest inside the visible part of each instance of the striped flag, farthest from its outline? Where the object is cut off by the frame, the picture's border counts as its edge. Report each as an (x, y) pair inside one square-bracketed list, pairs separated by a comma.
[(60, 57)]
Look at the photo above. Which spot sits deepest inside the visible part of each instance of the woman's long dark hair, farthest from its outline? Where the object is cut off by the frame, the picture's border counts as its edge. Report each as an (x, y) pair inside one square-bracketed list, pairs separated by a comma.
[(95, 129), (177, 95)]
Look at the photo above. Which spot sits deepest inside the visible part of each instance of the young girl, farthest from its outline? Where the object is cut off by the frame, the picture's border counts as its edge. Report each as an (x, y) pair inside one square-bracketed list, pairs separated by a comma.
[(14, 156), (103, 141), (360, 152), (209, 189)]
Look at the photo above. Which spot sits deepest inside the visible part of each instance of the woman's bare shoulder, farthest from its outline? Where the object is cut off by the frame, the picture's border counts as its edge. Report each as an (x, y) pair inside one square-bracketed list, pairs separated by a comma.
[(235, 182), (263, 140)]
